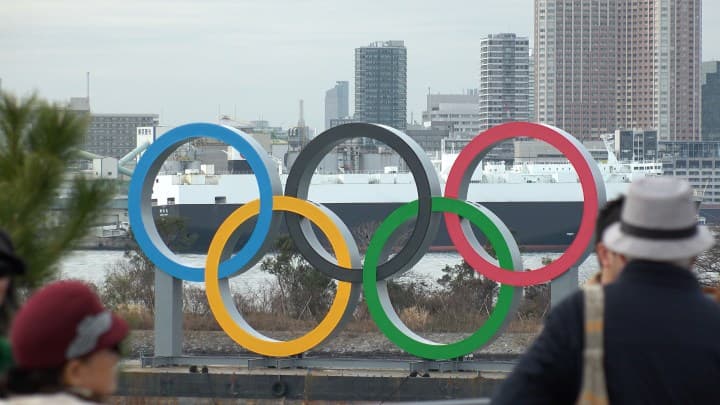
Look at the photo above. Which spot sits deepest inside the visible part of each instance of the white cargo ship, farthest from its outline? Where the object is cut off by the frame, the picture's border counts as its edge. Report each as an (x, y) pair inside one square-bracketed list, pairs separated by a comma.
[(541, 203)]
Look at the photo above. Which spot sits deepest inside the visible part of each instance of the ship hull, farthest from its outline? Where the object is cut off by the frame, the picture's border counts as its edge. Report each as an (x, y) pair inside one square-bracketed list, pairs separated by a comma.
[(544, 226)]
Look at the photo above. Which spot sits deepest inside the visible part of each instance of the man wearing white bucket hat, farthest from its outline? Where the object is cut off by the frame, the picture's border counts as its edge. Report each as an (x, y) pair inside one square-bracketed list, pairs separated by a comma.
[(651, 336)]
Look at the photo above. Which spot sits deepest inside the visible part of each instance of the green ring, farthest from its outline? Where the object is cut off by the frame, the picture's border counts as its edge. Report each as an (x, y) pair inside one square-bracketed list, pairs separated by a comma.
[(399, 333)]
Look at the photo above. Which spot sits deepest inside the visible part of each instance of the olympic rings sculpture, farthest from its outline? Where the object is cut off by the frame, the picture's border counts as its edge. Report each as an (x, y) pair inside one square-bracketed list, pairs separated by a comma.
[(346, 265)]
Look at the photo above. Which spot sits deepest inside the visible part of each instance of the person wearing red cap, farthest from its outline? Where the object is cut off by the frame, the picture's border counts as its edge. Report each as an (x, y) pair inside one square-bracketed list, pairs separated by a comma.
[(65, 345)]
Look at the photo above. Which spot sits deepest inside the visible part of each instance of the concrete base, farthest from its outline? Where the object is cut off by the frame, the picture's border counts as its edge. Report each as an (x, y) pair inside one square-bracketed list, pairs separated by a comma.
[(306, 386)]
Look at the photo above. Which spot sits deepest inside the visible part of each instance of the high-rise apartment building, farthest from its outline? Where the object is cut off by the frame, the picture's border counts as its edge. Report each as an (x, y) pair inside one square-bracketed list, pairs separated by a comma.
[(710, 101), (531, 88), (603, 65), (504, 79), (381, 83), (336, 103), (575, 58)]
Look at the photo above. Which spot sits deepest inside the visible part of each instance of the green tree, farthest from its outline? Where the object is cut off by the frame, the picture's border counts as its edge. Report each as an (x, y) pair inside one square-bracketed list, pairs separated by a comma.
[(45, 209), (305, 292), (468, 289)]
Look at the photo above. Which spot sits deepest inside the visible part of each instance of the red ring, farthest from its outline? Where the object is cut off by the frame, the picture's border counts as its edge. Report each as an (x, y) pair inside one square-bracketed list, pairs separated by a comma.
[(568, 146)]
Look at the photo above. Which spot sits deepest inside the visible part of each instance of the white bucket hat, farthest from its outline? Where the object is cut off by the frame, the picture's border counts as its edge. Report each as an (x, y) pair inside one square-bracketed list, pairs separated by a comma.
[(659, 222)]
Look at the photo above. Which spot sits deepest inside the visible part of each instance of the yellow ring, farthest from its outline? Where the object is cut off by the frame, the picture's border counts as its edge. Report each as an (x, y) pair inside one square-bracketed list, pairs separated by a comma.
[(251, 339)]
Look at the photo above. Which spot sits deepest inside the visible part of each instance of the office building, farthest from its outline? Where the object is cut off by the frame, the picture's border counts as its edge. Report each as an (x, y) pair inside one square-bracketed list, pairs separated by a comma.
[(696, 162), (336, 103), (458, 114), (603, 65), (114, 135), (504, 80), (429, 139), (381, 83), (111, 135), (636, 145)]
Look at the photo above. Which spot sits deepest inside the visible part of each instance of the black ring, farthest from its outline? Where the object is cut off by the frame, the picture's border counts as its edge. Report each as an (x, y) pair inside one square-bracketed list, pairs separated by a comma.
[(426, 180)]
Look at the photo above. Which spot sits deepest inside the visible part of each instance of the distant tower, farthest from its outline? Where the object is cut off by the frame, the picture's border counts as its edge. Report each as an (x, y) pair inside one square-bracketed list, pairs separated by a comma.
[(299, 136), (504, 80), (381, 83), (336, 102), (301, 120)]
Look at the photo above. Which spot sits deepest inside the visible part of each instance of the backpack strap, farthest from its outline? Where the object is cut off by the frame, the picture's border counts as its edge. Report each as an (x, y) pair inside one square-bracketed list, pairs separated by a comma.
[(594, 389)]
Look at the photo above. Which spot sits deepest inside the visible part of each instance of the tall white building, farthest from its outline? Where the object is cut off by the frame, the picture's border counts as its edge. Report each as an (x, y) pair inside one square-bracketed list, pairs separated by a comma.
[(504, 79)]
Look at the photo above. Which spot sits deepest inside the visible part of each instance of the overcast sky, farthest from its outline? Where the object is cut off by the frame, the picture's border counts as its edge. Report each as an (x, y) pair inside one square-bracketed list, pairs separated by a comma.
[(185, 60)]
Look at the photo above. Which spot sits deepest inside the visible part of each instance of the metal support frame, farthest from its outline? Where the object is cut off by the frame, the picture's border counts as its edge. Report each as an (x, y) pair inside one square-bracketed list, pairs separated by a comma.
[(563, 286), (409, 365), (168, 315)]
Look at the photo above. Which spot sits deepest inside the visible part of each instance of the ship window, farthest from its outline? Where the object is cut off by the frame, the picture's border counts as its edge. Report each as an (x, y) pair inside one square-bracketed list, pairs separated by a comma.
[(220, 200), (171, 201), (154, 201)]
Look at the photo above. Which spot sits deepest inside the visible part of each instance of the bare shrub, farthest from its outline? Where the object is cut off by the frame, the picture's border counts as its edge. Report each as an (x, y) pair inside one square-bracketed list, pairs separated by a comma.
[(137, 317), (415, 317), (305, 293), (195, 301), (129, 282), (536, 302)]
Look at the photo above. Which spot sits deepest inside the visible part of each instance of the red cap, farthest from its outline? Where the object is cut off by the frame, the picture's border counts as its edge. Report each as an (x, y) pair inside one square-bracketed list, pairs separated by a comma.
[(62, 321)]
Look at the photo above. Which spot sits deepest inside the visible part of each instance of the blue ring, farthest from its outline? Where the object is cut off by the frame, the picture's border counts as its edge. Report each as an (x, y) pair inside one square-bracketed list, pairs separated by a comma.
[(150, 163)]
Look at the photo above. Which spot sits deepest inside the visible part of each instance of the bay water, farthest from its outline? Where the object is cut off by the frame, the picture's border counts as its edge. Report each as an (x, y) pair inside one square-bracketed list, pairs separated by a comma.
[(94, 265)]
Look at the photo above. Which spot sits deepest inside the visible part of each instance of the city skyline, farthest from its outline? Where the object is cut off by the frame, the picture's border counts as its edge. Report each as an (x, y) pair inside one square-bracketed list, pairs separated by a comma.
[(188, 61)]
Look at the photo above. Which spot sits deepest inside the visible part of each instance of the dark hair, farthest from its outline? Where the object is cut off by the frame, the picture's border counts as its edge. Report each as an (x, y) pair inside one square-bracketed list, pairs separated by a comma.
[(608, 215), (20, 381)]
